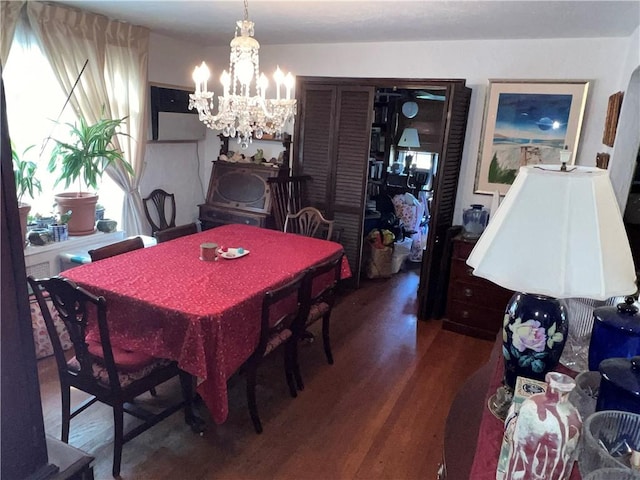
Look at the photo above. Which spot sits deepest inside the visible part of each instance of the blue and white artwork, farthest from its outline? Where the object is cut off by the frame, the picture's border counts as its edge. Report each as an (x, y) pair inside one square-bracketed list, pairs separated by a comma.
[(530, 128)]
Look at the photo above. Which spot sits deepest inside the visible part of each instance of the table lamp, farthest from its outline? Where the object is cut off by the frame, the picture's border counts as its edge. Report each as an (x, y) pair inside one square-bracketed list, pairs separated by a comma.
[(557, 234), (409, 139)]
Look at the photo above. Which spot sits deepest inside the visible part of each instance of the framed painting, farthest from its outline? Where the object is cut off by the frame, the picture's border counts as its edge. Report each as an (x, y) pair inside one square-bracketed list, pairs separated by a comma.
[(527, 123)]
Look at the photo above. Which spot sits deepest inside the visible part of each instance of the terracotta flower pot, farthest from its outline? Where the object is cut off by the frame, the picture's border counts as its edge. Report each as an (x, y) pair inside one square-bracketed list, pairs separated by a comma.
[(83, 211)]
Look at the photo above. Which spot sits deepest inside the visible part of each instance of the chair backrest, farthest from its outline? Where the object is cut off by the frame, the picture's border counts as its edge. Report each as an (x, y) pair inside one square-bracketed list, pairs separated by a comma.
[(326, 291), (292, 292), (175, 232), (288, 195), (160, 219), (76, 308), (117, 248), (309, 222)]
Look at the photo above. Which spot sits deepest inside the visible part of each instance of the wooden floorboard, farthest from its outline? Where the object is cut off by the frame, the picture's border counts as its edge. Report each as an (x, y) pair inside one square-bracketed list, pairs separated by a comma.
[(377, 413)]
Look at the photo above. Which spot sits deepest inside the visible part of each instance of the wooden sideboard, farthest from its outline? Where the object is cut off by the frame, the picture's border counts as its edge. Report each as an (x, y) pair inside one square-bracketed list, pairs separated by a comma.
[(238, 193), (475, 306)]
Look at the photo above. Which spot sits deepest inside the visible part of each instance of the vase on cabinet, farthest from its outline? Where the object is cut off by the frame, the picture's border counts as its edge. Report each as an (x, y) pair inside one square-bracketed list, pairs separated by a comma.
[(474, 220), (546, 433)]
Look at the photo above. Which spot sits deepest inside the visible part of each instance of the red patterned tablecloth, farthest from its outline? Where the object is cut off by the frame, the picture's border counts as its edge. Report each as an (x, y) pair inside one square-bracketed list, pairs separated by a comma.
[(166, 302)]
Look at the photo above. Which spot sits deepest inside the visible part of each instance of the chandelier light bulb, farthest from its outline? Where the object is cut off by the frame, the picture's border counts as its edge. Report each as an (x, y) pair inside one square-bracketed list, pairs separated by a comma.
[(289, 82), (244, 72), (263, 84), (241, 111), (225, 80)]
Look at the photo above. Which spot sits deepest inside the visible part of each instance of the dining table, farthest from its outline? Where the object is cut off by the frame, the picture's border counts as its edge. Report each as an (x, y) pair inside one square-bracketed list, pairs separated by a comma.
[(168, 302)]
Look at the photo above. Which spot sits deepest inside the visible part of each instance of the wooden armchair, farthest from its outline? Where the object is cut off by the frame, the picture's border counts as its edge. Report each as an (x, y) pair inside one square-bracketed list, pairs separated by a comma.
[(117, 248), (160, 219), (176, 232), (274, 333), (288, 195), (318, 304), (309, 222), (112, 375)]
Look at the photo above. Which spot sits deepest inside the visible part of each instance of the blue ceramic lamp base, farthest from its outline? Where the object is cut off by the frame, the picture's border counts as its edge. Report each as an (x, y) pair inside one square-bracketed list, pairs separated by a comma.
[(534, 334)]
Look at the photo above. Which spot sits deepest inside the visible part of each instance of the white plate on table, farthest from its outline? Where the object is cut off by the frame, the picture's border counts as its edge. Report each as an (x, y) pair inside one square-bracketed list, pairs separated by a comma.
[(232, 253)]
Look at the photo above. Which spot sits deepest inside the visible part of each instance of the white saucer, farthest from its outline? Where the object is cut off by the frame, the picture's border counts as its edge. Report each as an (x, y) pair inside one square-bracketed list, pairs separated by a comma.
[(232, 253)]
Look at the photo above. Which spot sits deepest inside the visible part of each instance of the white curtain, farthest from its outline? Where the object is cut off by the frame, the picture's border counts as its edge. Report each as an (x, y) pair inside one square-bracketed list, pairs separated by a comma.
[(114, 81), (9, 15)]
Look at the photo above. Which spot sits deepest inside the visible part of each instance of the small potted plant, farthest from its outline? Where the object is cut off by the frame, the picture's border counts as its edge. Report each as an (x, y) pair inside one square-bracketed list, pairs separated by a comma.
[(99, 212), (26, 182), (59, 231), (84, 158)]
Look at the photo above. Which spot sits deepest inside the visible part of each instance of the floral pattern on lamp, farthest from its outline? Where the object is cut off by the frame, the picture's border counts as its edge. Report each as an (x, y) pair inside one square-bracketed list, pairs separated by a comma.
[(532, 338)]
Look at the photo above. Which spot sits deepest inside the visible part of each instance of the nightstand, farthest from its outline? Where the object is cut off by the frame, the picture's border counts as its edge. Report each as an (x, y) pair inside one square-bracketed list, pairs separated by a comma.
[(475, 306)]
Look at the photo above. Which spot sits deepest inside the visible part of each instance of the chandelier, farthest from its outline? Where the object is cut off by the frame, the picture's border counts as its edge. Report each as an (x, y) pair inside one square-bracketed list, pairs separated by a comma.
[(244, 111)]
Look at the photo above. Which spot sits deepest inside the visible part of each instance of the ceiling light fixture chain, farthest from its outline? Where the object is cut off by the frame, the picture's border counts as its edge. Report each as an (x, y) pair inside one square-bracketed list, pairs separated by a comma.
[(244, 111)]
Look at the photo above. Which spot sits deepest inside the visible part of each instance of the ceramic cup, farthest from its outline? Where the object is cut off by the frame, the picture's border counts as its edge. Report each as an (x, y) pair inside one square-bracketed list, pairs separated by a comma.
[(209, 251)]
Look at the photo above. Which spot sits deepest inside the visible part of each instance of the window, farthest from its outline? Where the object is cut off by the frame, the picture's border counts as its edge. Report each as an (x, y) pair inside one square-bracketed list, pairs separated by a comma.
[(34, 101)]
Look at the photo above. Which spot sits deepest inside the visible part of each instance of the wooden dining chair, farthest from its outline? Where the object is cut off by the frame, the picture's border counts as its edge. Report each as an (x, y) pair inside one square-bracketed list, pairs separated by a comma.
[(109, 374), (176, 232), (309, 222), (285, 303), (319, 295), (117, 248), (288, 195), (160, 219)]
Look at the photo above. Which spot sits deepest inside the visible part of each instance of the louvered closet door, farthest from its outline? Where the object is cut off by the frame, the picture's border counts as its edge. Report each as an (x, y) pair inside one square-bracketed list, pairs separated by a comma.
[(333, 148), (315, 145), (352, 156), (433, 277)]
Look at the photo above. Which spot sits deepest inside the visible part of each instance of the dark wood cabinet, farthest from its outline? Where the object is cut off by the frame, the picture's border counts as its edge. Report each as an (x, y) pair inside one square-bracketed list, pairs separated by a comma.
[(238, 193), (475, 306)]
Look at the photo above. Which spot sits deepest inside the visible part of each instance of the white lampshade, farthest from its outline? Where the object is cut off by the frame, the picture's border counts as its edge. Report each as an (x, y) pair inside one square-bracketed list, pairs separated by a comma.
[(558, 234), (409, 138)]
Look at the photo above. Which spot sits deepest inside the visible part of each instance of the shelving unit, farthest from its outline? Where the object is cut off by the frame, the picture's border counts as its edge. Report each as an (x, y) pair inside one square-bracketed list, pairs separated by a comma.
[(285, 141)]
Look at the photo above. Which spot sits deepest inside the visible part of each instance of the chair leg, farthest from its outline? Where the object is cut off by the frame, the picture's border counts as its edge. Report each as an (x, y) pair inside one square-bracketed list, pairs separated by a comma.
[(187, 384), (251, 374), (118, 440), (296, 366), (65, 391), (288, 366), (325, 339)]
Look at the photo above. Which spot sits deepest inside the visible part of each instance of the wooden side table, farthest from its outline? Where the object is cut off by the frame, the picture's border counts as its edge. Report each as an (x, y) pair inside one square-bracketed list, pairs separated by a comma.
[(475, 306)]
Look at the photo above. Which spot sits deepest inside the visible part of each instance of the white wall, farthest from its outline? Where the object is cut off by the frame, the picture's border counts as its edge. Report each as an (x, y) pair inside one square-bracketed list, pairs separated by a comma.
[(597, 60), (602, 61), (627, 141), (177, 167)]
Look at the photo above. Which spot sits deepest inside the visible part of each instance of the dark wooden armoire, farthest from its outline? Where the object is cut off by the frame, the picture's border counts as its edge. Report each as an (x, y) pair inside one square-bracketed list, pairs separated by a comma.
[(332, 145)]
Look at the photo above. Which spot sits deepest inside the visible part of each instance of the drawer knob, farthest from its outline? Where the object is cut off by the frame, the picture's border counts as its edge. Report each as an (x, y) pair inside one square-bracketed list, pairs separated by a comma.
[(465, 314), (468, 292), (470, 271)]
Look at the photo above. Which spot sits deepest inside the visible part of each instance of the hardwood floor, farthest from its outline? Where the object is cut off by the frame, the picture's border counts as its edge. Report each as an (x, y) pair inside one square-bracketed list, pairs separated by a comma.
[(377, 413)]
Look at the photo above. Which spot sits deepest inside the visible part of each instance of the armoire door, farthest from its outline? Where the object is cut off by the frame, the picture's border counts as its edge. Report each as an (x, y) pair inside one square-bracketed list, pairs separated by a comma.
[(434, 272), (334, 124)]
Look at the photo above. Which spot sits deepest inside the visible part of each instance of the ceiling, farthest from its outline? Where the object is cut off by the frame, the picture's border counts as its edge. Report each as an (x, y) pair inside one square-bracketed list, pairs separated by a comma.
[(212, 23)]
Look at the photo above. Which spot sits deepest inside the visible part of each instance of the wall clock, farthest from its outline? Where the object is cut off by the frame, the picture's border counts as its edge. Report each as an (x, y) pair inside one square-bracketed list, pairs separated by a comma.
[(409, 109)]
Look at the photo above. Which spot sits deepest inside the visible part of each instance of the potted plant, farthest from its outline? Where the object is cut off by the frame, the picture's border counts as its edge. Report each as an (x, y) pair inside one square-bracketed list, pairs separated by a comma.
[(84, 158), (59, 231), (26, 182)]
